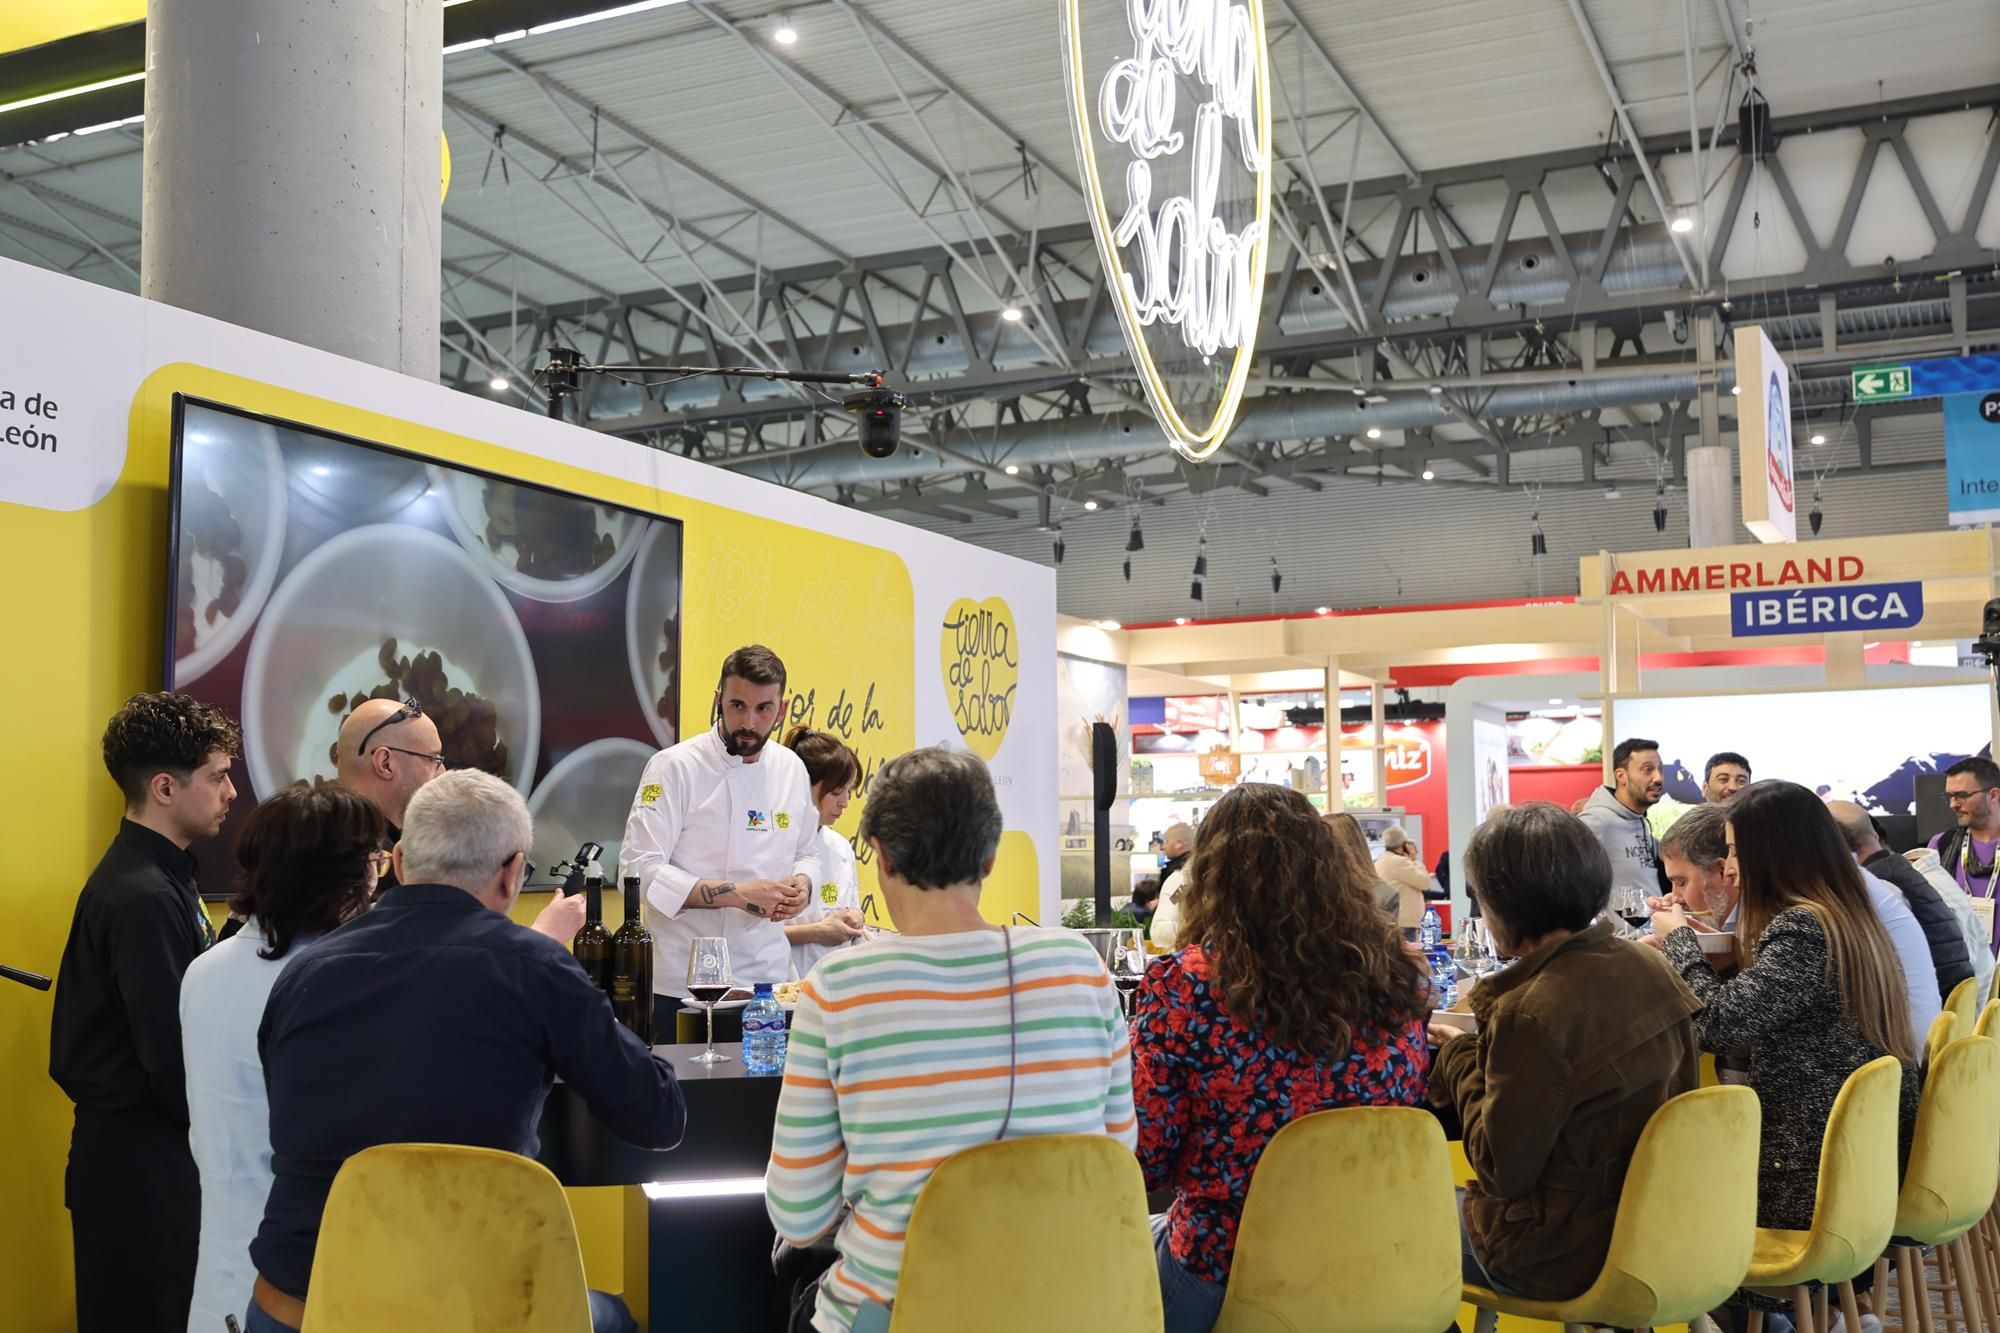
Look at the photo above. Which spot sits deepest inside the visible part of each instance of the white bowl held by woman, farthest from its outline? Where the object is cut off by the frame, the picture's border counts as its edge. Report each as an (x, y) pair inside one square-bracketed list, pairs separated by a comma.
[(321, 632), (239, 460), (585, 798), (654, 594), (464, 499)]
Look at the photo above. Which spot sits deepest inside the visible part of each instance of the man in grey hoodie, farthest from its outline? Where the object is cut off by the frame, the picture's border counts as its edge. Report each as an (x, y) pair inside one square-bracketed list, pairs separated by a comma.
[(1617, 815)]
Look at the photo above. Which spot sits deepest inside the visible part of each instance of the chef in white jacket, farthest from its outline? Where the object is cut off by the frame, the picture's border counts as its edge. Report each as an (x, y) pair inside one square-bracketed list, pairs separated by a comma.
[(723, 834)]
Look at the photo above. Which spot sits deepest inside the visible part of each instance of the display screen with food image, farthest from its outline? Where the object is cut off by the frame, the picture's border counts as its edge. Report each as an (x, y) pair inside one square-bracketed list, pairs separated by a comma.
[(311, 573)]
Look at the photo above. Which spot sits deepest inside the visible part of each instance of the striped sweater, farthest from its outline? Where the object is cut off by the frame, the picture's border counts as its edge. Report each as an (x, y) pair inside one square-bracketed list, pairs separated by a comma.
[(899, 1058)]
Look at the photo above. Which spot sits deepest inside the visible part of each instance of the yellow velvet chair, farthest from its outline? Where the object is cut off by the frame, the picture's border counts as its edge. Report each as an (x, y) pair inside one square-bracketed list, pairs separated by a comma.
[(1854, 1210), (1989, 1020), (978, 1257), (1350, 1223), (1964, 1001), (1945, 1029), (1660, 1270), (1953, 1172), (447, 1239)]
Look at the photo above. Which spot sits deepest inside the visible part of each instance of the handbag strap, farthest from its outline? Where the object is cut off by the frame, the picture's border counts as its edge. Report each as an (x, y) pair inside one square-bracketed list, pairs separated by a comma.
[(1007, 935)]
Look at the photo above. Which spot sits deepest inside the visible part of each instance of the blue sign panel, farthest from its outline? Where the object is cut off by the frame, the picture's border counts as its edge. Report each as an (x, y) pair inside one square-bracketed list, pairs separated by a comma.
[(1972, 457), (1868, 607), (1954, 374)]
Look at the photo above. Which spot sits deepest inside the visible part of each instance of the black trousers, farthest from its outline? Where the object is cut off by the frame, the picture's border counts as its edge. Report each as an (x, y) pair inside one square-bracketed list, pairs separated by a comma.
[(135, 1213)]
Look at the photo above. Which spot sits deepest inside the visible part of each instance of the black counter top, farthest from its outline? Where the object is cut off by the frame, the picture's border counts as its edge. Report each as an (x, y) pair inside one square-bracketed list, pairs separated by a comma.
[(730, 1114)]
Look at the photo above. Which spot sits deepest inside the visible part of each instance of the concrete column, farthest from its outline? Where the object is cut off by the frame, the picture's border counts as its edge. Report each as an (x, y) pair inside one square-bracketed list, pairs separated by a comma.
[(1711, 483), (292, 170)]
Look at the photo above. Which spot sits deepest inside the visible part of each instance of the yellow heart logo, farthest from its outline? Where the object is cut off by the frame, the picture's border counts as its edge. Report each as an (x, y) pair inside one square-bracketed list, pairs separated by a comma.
[(981, 660)]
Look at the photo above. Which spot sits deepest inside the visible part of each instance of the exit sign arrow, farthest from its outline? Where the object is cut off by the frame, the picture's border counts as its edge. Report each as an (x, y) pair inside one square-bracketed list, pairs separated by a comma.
[(1878, 383)]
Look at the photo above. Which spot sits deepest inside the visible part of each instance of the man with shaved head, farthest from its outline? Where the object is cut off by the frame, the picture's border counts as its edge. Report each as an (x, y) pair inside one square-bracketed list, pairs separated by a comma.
[(1176, 844), (387, 751), (1942, 931)]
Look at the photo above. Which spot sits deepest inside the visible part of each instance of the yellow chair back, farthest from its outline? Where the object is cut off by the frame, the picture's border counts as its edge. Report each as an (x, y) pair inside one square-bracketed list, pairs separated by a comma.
[(1989, 1017), (1945, 1028), (1349, 1224), (1955, 1156), (448, 1239), (976, 1259), (1854, 1211), (1964, 1001)]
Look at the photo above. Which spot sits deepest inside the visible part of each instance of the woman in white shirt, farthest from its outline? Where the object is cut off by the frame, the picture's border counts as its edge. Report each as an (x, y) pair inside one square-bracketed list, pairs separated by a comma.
[(310, 857), (832, 916)]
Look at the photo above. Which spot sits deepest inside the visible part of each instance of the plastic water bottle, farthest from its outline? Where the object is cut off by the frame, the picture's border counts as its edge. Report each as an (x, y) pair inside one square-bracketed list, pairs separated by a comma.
[(1444, 979), (1433, 929), (764, 1033)]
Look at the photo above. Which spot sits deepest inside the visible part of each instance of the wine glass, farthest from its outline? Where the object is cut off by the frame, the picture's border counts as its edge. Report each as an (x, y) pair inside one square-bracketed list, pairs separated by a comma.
[(1128, 966), (708, 980)]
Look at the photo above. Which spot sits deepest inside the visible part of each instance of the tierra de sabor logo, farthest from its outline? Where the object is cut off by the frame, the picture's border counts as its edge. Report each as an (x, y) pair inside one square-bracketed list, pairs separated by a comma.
[(1171, 112), (981, 661)]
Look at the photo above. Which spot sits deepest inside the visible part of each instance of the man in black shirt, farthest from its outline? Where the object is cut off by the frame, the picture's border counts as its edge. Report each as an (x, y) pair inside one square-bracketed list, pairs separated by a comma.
[(435, 1019), (1942, 932), (115, 1039)]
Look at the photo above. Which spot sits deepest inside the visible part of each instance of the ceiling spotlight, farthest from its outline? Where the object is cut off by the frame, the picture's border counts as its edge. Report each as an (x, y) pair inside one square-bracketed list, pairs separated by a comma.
[(498, 384), (1360, 392), (1436, 389), (1201, 559), (1681, 225), (1011, 313), (1090, 505), (1322, 610), (1429, 475), (1180, 620), (1013, 469), (1537, 543), (1815, 518), (1277, 576), (1374, 432), (1128, 569), (1109, 624), (1611, 491), (1818, 438), (1059, 544), (1735, 391), (1136, 541), (1555, 703), (786, 34)]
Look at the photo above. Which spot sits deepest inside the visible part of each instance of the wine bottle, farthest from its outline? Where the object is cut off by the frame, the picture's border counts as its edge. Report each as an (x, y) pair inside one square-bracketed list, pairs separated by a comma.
[(592, 945), (631, 972)]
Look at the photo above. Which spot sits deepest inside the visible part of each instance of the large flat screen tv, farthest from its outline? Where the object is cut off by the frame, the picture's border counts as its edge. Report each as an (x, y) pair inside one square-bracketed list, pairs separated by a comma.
[(311, 572)]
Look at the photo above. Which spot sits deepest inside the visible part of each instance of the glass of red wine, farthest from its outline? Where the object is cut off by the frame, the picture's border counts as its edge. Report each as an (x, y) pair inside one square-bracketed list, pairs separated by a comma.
[(708, 980)]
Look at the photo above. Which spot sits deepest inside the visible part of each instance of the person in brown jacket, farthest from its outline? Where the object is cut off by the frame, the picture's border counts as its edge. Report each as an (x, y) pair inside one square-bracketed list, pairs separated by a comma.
[(1579, 1042)]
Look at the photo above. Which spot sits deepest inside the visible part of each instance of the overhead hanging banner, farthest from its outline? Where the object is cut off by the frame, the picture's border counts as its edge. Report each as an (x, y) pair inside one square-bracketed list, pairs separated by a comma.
[(1170, 108), (1764, 438), (1972, 457)]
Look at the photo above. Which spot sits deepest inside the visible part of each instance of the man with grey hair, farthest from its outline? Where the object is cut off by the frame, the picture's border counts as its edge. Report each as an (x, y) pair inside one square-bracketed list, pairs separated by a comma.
[(1694, 852), (1944, 935), (1402, 868), (435, 1019)]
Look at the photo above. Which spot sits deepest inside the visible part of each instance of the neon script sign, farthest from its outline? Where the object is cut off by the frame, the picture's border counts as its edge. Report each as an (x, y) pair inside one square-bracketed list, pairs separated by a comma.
[(1173, 264)]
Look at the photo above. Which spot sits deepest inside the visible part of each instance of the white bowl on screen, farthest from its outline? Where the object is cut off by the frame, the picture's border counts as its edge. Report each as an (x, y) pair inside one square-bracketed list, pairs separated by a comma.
[(464, 503), (585, 798), (653, 594), (324, 625), (239, 459)]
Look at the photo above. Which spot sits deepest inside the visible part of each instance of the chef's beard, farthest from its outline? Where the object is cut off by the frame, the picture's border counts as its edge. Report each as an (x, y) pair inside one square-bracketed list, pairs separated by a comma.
[(744, 744)]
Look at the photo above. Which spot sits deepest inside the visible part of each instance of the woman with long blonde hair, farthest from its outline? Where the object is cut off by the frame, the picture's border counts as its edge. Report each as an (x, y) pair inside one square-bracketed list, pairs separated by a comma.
[(1291, 993), (1822, 993)]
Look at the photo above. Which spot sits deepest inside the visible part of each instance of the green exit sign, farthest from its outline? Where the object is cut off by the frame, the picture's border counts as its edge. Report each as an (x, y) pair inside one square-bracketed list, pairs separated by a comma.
[(1875, 383)]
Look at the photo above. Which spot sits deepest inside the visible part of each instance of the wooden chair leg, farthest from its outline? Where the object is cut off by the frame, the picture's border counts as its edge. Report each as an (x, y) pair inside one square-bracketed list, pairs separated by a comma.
[(1802, 1311), (1850, 1309), (1756, 1320), (1878, 1300), (1823, 1309), (1968, 1286), (1916, 1289)]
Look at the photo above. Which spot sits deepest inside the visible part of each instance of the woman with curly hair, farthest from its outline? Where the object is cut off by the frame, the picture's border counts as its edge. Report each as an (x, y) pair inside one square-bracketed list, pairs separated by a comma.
[(1290, 994)]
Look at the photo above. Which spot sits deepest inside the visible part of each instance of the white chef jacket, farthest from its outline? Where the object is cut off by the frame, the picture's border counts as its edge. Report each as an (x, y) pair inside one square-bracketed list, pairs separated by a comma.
[(839, 886), (702, 813), (229, 1118)]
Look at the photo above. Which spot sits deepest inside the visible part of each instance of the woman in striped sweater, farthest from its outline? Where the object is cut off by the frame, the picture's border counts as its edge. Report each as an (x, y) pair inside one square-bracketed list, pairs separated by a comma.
[(952, 1034)]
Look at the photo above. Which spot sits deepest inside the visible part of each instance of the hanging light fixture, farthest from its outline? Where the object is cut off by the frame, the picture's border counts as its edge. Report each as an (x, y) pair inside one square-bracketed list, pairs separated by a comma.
[(1136, 541), (1660, 507), (1059, 544), (1815, 517), (1277, 576), (1537, 543), (1200, 568)]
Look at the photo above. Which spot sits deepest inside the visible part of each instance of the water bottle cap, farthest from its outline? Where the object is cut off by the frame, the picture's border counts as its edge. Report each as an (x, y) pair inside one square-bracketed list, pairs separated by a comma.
[(762, 988)]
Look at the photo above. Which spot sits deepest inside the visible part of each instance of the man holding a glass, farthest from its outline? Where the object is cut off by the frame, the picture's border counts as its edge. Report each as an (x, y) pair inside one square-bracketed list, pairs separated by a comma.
[(724, 837), (1617, 815)]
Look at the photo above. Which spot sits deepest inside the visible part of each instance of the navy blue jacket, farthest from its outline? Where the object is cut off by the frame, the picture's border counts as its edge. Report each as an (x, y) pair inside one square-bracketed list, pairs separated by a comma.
[(433, 1019)]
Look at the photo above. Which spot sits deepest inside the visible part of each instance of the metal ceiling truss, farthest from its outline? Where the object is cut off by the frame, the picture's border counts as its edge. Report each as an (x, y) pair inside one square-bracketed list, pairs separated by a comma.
[(1528, 334)]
